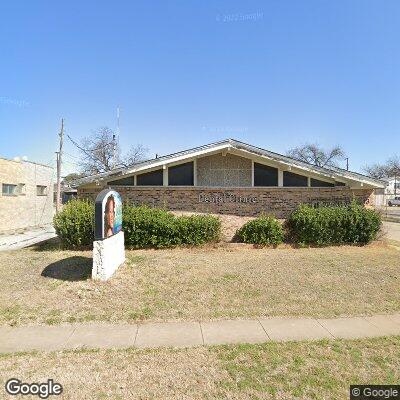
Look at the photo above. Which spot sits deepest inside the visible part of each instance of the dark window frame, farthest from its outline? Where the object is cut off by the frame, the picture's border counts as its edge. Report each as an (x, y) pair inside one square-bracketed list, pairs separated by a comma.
[(157, 174), (294, 176), (271, 174), (15, 189), (43, 190), (123, 181), (188, 174), (314, 183)]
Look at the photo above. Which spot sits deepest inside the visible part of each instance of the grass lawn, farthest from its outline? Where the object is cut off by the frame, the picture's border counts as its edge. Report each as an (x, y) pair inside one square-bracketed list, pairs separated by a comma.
[(302, 370), (203, 283)]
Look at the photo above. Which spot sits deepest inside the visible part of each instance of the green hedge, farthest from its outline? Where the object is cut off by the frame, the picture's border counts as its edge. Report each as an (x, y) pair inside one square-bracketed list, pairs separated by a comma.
[(263, 230), (334, 225), (152, 227), (198, 229), (74, 225), (143, 226)]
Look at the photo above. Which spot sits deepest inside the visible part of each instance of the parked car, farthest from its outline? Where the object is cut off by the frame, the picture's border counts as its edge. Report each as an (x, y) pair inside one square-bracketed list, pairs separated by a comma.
[(394, 202)]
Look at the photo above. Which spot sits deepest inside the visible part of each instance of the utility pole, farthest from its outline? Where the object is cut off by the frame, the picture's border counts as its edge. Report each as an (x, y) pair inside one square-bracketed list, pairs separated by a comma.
[(59, 157), (347, 163), (114, 162)]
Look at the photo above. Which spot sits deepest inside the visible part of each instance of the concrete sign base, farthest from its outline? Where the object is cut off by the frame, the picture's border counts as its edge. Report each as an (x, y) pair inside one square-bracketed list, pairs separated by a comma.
[(108, 255)]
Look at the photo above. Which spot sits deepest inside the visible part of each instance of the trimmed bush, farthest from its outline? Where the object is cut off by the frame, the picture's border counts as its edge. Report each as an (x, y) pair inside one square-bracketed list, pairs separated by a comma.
[(263, 230), (334, 225), (153, 227), (75, 223), (198, 229), (149, 227)]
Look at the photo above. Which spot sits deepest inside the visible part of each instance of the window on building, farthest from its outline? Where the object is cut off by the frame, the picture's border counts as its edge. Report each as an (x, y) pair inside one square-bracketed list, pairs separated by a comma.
[(41, 190), (292, 179), (9, 190), (318, 183), (129, 181), (340, 184), (265, 176), (154, 178), (22, 189), (181, 175), (397, 185)]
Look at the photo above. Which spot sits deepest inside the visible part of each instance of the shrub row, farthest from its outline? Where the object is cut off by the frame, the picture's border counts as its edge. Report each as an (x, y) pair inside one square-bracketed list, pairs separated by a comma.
[(152, 227), (143, 227), (334, 225), (321, 226)]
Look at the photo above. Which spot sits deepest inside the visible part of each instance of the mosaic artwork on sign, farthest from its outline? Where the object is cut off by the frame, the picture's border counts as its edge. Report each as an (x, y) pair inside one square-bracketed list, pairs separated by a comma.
[(108, 214)]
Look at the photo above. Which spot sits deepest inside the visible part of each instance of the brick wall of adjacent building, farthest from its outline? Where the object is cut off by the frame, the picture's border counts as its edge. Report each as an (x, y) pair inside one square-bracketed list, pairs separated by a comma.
[(25, 209), (238, 201)]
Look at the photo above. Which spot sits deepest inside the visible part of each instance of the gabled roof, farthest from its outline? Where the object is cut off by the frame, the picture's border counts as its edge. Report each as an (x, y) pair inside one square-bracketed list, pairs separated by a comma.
[(227, 144)]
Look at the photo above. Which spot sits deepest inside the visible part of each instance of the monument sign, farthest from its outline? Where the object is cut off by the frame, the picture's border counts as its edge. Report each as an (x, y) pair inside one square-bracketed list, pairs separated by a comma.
[(108, 247)]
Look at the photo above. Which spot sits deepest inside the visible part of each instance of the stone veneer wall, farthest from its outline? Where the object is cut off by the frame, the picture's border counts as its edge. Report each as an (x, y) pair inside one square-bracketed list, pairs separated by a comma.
[(224, 171), (237, 201)]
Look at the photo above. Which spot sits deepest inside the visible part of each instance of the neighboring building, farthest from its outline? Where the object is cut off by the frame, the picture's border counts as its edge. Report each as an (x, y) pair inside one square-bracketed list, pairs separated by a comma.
[(67, 193), (231, 177), (26, 198), (393, 186), (391, 190)]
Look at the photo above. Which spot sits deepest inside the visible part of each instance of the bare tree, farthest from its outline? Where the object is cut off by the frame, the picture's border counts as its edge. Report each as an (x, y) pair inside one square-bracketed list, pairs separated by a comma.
[(135, 154), (314, 154), (393, 166), (100, 153), (390, 168)]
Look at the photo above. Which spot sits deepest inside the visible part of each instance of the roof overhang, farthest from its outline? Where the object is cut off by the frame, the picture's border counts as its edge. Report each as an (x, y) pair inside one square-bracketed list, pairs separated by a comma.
[(238, 148)]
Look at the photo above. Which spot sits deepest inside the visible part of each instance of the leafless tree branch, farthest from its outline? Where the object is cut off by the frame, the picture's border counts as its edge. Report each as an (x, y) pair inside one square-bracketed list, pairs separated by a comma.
[(390, 168), (97, 152), (313, 154)]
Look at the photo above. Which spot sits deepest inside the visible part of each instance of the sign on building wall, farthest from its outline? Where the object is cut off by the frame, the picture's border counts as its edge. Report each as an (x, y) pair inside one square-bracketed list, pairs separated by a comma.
[(108, 214), (226, 197)]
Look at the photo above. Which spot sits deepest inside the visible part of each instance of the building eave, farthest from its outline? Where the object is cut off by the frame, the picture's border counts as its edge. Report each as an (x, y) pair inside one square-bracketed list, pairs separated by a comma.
[(228, 144)]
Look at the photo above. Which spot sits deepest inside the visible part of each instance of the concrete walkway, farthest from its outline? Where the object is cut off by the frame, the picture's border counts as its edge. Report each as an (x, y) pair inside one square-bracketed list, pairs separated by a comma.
[(186, 334), (27, 238), (392, 230)]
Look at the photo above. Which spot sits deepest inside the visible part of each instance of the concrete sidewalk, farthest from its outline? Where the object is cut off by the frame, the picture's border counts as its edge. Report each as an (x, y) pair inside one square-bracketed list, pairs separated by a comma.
[(27, 238), (186, 334), (392, 230)]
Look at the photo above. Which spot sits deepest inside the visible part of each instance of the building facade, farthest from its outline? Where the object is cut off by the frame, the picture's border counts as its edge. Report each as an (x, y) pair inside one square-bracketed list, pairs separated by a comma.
[(393, 186), (231, 177), (392, 190), (26, 198)]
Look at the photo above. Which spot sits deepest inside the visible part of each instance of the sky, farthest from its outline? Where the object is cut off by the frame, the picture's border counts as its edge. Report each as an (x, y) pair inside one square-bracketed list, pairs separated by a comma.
[(275, 74)]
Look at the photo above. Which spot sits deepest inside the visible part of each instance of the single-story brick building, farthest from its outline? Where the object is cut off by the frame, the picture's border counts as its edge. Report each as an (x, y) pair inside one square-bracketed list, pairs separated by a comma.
[(231, 177)]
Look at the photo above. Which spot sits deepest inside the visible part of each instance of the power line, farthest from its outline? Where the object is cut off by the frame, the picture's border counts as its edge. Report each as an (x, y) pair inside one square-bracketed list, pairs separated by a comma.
[(88, 150), (70, 163), (71, 155)]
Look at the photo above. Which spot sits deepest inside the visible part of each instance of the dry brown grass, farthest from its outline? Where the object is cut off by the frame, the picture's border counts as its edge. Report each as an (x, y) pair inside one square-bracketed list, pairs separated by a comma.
[(284, 371), (202, 283)]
